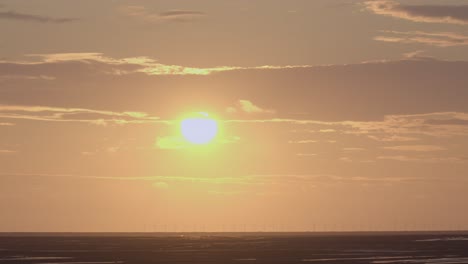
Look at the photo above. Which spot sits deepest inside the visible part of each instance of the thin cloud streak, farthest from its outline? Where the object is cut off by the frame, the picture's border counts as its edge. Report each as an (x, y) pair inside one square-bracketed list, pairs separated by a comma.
[(253, 179), (449, 14), (7, 151), (404, 158), (418, 148), (393, 128), (438, 39), (142, 13), (13, 15), (7, 124), (177, 14), (133, 65), (306, 141), (59, 114)]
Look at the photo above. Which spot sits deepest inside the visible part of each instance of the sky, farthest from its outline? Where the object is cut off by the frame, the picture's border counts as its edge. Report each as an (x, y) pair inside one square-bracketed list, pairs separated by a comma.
[(333, 115)]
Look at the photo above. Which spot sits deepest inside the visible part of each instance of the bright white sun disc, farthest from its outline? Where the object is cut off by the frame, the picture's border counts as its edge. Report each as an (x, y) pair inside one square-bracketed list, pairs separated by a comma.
[(199, 130)]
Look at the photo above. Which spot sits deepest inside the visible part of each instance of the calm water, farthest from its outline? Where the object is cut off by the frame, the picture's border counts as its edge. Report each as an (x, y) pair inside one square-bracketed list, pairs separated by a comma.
[(231, 248)]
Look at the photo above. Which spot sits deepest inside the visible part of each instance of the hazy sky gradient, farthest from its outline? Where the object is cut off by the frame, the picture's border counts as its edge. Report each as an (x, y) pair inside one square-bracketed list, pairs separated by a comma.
[(335, 115)]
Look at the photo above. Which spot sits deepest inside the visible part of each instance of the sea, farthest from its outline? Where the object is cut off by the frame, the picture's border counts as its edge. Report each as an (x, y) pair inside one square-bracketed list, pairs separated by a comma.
[(239, 248)]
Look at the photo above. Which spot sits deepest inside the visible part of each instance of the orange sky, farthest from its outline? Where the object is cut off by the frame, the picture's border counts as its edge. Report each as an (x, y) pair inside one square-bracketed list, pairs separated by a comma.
[(333, 115)]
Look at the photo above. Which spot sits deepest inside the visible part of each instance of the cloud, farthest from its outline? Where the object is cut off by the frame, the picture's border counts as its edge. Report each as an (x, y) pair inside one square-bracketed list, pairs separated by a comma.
[(417, 54), (317, 178), (323, 94), (179, 142), (409, 127), (142, 13), (419, 148), (161, 185), (306, 154), (13, 15), (306, 141), (329, 130), (227, 193), (328, 98), (451, 14), (385, 179), (345, 159), (165, 181), (354, 149), (392, 138), (180, 14), (393, 128), (98, 63), (59, 114), (246, 106), (424, 159), (171, 142), (7, 124), (113, 149), (241, 179), (7, 151), (26, 77), (448, 122), (439, 39)]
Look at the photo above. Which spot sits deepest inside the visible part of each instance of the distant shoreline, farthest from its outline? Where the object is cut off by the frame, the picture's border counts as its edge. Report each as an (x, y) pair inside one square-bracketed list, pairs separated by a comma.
[(177, 234)]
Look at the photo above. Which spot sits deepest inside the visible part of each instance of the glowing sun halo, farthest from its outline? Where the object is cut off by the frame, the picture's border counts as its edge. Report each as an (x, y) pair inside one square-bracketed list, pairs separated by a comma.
[(199, 129)]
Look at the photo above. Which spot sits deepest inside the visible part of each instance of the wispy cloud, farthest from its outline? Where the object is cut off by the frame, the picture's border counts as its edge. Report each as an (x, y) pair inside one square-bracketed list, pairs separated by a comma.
[(59, 114), (26, 77), (419, 148), (448, 122), (7, 151), (439, 39), (346, 159), (452, 14), (392, 138), (161, 185), (6, 124), (393, 128), (417, 87), (306, 154), (246, 106), (304, 141), (354, 149), (424, 159), (241, 180), (142, 13), (122, 66), (408, 127), (329, 130), (180, 14), (252, 179), (171, 142), (13, 15)]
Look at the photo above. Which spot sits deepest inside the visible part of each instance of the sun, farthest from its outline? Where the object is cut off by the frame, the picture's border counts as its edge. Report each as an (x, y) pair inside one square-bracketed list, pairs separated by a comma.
[(199, 129)]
